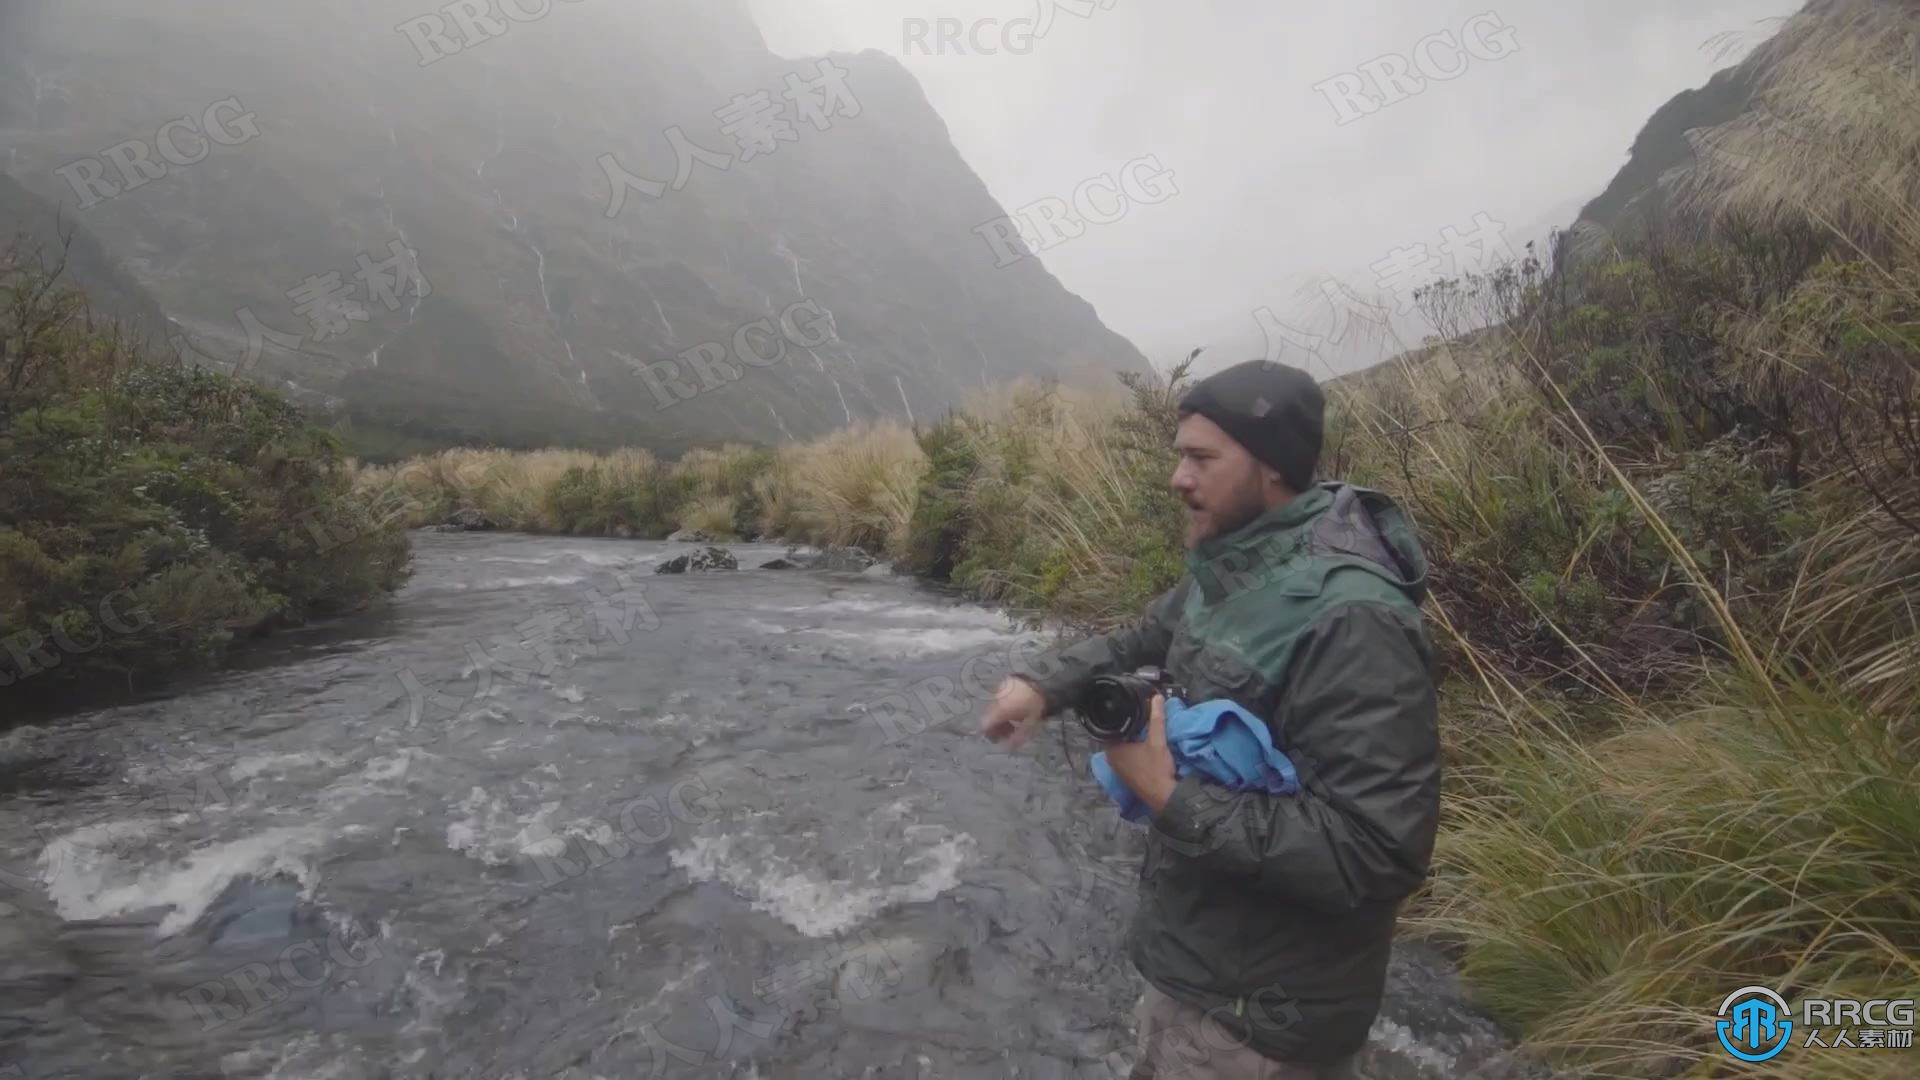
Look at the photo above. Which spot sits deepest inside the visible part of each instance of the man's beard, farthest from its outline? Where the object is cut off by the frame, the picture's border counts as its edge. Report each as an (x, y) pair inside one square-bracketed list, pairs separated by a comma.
[(1245, 506), (1241, 514)]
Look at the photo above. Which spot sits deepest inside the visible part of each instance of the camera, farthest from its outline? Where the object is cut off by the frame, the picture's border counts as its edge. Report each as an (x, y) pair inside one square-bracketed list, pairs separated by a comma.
[(1117, 708)]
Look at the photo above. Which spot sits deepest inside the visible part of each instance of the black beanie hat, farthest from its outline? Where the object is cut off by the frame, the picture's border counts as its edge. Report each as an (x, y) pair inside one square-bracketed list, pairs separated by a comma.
[(1275, 411)]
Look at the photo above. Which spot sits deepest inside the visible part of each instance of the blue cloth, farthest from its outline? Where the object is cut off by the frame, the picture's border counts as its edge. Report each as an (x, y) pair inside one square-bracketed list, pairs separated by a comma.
[(1218, 740)]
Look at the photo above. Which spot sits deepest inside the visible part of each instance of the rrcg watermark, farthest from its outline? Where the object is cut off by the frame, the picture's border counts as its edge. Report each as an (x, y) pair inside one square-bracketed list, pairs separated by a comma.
[(167, 790), (1099, 200), (952, 36), (641, 823), (474, 22), (225, 123), (858, 968), (387, 508), (1014, 36), (27, 649), (1188, 1046), (1402, 276), (1438, 57), (714, 363), (989, 36), (303, 966), (532, 651)]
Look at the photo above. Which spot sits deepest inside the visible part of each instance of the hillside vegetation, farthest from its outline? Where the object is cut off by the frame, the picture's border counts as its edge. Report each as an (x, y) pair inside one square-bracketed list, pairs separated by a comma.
[(1669, 479), (152, 513)]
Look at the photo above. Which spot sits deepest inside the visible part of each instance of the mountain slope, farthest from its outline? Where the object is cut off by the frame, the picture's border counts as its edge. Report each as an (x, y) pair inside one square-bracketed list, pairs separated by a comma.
[(1663, 144), (81, 261), (545, 286), (1815, 123)]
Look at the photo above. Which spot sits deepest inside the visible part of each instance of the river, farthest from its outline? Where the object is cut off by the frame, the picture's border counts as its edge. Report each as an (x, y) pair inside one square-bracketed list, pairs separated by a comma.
[(547, 814)]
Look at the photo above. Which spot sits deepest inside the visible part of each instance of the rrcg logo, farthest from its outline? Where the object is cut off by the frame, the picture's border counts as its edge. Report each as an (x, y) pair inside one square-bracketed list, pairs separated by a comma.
[(226, 122), (1757, 1027), (1101, 200), (474, 21), (1756, 1024), (1437, 57), (709, 359), (1016, 36)]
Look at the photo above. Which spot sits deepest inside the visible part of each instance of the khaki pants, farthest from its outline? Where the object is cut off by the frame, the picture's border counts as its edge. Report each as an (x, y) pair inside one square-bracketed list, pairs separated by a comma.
[(1179, 1042)]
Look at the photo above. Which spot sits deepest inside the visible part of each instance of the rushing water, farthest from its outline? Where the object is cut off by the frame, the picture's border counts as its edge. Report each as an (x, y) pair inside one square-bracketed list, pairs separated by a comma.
[(548, 814)]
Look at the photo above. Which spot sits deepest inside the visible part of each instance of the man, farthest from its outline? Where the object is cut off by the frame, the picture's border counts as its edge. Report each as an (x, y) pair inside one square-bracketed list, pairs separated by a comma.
[(1265, 921)]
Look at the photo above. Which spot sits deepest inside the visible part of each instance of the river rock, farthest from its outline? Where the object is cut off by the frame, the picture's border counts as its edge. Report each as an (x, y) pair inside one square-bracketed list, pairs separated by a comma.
[(31, 978), (714, 558), (780, 564), (467, 520), (905, 964), (842, 558), (691, 536), (708, 558), (1429, 1028)]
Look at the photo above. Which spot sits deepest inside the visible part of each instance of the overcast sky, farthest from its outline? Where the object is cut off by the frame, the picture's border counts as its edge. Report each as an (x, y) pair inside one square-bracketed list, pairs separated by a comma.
[(1231, 95)]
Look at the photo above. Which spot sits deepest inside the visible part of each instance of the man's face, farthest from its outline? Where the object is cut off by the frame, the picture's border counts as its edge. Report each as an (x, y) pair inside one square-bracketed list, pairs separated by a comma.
[(1222, 484)]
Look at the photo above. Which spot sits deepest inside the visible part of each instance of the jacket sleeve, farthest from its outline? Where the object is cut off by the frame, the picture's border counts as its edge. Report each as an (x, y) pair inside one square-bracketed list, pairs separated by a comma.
[(1360, 704), (1062, 676)]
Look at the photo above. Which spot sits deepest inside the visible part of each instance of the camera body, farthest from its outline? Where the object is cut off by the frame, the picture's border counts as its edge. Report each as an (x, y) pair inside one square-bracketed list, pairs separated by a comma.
[(1118, 708)]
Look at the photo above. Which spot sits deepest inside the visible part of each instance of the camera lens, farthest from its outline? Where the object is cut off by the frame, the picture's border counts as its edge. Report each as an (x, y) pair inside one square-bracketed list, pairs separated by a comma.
[(1116, 707)]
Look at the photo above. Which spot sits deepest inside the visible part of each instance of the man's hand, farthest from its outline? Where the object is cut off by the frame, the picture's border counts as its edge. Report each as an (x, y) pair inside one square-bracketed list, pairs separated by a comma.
[(1017, 710), (1147, 767)]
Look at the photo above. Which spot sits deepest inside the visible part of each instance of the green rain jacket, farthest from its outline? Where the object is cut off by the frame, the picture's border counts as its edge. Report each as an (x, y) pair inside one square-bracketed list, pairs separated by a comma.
[(1276, 913)]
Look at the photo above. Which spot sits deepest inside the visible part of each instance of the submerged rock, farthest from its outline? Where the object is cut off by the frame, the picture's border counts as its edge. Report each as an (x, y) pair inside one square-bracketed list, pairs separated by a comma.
[(467, 520), (709, 558), (1429, 1028), (842, 558), (713, 558), (832, 557)]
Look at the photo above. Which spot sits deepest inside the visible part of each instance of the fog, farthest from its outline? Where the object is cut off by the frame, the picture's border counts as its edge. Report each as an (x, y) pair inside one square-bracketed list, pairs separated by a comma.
[(1278, 183), (1218, 162)]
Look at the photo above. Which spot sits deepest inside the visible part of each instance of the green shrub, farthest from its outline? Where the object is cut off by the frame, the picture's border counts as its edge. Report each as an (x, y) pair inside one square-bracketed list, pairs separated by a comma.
[(579, 503), (937, 530), (152, 514)]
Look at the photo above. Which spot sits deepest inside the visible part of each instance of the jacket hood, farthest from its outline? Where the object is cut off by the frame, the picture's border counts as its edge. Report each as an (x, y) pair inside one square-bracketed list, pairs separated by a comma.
[(1369, 526), (1333, 525)]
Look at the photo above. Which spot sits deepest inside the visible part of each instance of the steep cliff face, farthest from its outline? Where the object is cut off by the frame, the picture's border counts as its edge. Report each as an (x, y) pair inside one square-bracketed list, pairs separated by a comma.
[(1818, 120), (1663, 143), (564, 216)]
